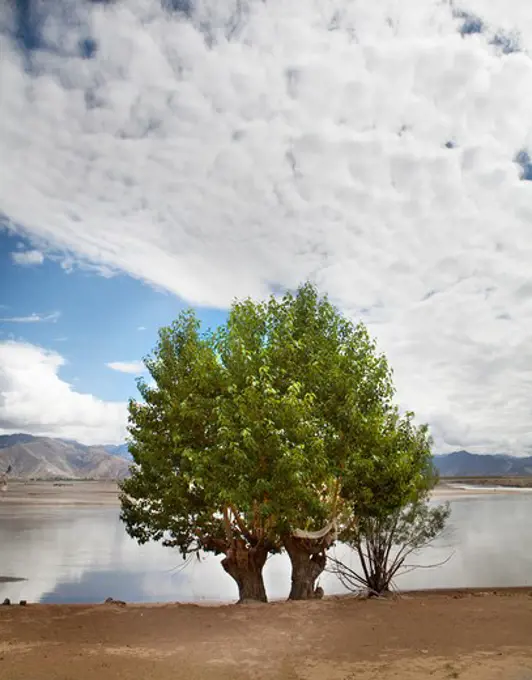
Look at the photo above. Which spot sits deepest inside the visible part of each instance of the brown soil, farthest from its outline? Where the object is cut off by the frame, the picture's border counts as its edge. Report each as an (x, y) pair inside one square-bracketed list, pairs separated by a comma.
[(98, 493), (471, 636), (516, 482), (45, 493)]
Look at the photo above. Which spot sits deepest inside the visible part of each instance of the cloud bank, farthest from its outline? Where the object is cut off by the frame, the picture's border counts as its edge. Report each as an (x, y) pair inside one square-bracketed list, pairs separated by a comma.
[(233, 148), (34, 399)]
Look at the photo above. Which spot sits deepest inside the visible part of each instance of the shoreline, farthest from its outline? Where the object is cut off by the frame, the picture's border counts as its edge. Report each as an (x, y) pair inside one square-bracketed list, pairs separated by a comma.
[(452, 491), (82, 493), (421, 594)]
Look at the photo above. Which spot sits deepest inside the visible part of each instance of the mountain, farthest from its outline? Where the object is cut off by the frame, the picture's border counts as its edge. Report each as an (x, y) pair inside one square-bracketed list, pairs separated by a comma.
[(46, 458), (120, 450), (465, 464), (11, 439)]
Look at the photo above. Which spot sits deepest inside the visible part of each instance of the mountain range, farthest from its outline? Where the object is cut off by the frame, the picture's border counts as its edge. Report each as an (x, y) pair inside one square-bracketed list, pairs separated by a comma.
[(47, 458), (465, 464), (121, 450)]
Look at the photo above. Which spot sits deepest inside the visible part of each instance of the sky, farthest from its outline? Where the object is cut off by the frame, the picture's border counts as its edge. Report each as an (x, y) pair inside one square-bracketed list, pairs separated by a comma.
[(160, 154)]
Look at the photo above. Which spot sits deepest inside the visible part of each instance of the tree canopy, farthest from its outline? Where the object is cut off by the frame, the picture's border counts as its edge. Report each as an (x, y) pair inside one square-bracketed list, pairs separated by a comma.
[(260, 428)]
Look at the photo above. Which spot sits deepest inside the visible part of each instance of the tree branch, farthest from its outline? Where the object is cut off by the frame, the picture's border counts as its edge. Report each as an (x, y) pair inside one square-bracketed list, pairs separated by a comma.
[(246, 533)]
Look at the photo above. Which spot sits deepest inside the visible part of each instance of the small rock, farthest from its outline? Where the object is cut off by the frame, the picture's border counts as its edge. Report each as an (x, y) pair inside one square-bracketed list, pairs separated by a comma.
[(6, 602), (111, 600), (23, 603)]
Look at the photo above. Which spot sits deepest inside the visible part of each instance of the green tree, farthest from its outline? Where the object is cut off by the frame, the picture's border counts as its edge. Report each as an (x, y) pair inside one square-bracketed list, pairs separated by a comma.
[(222, 457), (241, 443), (337, 362), (387, 514)]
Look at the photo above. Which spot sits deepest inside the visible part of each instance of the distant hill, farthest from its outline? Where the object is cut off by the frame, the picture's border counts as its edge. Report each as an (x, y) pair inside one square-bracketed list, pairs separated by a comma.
[(11, 439), (46, 458), (118, 450), (465, 464)]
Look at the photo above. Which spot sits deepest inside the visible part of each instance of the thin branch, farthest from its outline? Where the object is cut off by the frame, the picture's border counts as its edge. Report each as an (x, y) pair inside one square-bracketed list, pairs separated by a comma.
[(227, 525), (390, 541), (363, 562), (412, 567), (248, 535)]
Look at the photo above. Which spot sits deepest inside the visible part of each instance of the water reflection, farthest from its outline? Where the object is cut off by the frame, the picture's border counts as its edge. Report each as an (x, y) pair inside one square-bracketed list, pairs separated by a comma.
[(84, 555)]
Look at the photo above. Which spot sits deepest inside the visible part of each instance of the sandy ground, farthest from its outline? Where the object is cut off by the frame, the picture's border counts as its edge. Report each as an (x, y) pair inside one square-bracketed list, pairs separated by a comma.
[(472, 636), (446, 492), (60, 493), (106, 493)]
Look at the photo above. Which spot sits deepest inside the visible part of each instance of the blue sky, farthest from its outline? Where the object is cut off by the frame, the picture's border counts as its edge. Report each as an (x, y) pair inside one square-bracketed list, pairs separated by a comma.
[(89, 319), (202, 151)]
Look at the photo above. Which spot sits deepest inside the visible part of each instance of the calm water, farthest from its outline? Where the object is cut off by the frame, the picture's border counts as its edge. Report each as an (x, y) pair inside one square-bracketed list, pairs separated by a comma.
[(84, 555)]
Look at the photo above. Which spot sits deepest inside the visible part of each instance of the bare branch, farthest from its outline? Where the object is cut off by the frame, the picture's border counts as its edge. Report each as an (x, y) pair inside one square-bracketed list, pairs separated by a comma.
[(384, 544)]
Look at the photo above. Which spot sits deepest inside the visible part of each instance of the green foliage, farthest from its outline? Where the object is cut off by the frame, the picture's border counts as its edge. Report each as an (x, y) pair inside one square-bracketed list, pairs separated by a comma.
[(166, 497), (269, 452), (336, 362), (394, 467)]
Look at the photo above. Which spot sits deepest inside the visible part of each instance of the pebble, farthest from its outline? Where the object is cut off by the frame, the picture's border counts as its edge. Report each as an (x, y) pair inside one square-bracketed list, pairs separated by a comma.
[(111, 600)]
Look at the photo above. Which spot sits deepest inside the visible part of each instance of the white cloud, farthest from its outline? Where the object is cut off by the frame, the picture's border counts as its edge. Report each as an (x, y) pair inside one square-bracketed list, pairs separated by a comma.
[(69, 263), (311, 143), (27, 257), (127, 366), (141, 328), (32, 318), (34, 399)]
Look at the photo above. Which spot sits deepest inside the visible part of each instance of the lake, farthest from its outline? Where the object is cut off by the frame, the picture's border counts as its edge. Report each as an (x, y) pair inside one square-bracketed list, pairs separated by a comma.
[(82, 554)]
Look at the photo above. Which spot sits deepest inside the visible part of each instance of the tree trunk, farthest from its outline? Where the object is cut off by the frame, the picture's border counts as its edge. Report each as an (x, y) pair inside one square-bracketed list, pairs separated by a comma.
[(308, 562), (245, 566)]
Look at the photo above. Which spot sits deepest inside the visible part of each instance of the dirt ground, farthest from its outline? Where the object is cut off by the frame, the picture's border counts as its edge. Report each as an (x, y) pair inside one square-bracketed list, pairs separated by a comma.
[(515, 482), (98, 493), (74, 493), (471, 636)]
